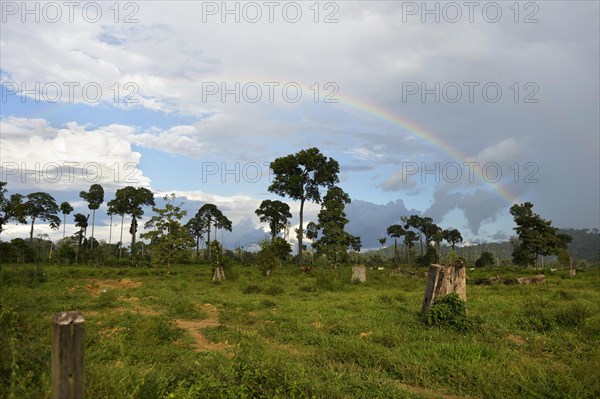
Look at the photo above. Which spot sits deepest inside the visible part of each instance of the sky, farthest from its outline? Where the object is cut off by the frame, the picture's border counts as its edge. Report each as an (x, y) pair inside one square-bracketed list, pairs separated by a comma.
[(450, 110)]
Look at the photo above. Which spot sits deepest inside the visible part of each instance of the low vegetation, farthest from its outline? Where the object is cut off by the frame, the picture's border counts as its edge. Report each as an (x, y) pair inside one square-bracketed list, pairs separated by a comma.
[(292, 334)]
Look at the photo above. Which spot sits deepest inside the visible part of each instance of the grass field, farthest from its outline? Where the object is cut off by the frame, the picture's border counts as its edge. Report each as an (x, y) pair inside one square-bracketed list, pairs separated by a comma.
[(292, 335)]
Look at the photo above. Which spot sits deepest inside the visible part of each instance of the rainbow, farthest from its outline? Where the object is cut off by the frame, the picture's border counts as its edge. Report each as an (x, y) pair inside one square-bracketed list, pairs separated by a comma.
[(428, 137)]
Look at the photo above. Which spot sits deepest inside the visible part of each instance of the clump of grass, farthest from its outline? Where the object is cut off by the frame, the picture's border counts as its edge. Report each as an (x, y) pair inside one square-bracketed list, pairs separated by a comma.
[(107, 299), (252, 289), (307, 288), (387, 340), (573, 316), (267, 304), (538, 317), (329, 282), (274, 290), (451, 311), (564, 295)]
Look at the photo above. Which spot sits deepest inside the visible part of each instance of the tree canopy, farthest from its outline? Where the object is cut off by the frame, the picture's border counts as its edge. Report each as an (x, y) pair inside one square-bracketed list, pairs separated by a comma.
[(536, 235), (300, 176), (276, 213)]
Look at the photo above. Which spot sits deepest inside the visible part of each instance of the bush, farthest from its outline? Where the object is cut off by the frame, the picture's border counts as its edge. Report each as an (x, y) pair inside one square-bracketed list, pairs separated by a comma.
[(450, 311)]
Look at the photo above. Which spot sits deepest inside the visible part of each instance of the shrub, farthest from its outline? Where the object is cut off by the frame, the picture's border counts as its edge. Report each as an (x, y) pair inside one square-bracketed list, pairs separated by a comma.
[(450, 311)]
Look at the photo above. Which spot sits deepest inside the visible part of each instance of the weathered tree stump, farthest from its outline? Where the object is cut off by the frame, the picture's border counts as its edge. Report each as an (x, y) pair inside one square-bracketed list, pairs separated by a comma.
[(67, 356), (359, 273), (443, 280), (219, 274)]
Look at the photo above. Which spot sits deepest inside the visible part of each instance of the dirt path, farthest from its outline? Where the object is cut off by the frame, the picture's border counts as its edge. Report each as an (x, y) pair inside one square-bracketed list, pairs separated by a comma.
[(194, 327)]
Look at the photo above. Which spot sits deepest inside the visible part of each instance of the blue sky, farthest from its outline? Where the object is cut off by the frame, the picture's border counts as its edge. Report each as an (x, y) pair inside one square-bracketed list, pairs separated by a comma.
[(212, 101)]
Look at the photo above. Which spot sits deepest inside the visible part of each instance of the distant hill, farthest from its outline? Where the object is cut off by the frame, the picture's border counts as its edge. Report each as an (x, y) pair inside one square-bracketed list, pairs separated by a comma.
[(585, 246)]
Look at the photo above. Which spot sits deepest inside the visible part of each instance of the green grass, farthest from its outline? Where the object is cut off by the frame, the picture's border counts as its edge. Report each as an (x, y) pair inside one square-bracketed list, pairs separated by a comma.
[(299, 335)]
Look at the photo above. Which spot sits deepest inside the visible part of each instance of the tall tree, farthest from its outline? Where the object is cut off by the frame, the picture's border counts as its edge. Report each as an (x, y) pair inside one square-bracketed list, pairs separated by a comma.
[(276, 214), (41, 206), (438, 237), (536, 235), (409, 240), (299, 176), (396, 231), (81, 221), (118, 206), (94, 198), (65, 209), (424, 225), (334, 241), (12, 208), (452, 237), (211, 216), (197, 228), (133, 200), (169, 239)]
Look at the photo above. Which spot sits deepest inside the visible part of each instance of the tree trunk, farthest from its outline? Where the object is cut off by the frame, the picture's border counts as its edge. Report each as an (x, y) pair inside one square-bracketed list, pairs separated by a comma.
[(300, 232), (121, 238), (359, 273), (133, 231), (93, 223), (31, 231), (219, 274), (64, 224), (208, 242), (443, 280), (572, 270)]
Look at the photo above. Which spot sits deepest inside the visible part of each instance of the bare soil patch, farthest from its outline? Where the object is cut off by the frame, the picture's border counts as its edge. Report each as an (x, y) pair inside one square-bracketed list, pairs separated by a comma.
[(95, 287), (194, 327)]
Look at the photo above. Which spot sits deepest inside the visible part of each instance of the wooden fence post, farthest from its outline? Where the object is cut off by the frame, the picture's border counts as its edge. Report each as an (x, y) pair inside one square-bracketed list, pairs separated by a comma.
[(67, 356)]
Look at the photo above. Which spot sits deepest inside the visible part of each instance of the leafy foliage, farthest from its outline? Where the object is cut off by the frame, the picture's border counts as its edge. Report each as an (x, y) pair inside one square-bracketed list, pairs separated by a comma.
[(299, 176), (450, 311), (335, 241), (169, 240), (536, 235), (276, 214)]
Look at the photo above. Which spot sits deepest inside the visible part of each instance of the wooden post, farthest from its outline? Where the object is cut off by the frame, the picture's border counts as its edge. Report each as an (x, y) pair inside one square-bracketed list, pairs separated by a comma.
[(443, 280), (67, 356), (359, 273)]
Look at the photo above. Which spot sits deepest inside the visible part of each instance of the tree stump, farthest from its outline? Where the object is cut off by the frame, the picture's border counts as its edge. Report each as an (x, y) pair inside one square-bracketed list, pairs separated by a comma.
[(67, 356), (443, 280), (359, 273), (219, 274)]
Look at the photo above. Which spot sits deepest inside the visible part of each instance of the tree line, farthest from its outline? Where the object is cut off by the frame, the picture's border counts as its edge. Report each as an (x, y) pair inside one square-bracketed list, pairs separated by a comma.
[(307, 175)]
